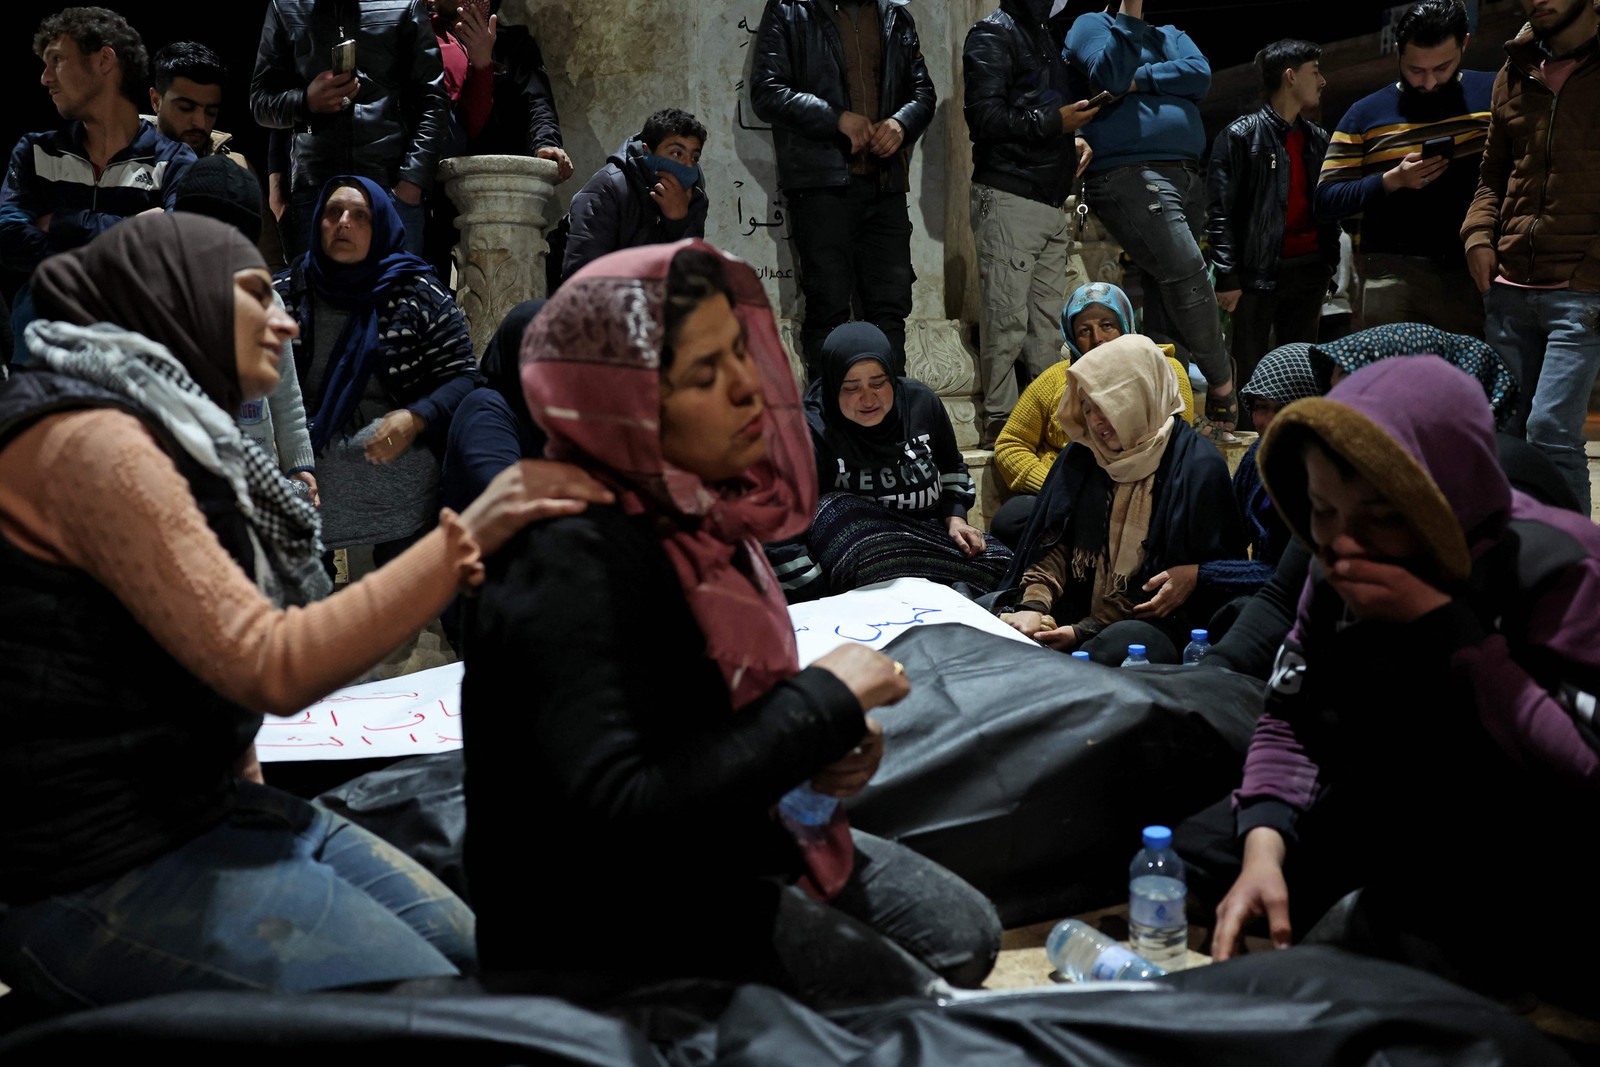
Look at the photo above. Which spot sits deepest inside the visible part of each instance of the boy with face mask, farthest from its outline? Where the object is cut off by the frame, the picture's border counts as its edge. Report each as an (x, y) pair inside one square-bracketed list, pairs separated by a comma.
[(651, 191)]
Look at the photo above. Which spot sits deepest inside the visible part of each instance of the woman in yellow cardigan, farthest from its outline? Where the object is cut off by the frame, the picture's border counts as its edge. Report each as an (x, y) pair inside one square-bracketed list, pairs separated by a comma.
[(1031, 439)]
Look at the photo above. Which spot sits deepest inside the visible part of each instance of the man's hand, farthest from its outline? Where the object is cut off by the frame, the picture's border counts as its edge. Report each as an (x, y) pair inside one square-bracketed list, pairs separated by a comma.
[(42, 223), (327, 93), (1085, 154), (887, 137), (1228, 299), (1173, 587), (671, 198), (1384, 592), (1413, 172), (858, 128), (393, 436), (1259, 890), (477, 33), (847, 776), (563, 161), (967, 537), (410, 192), (1482, 263), (1075, 117), (311, 483)]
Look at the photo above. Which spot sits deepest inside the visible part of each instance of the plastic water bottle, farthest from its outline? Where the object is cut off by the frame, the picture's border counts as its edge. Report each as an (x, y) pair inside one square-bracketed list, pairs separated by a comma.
[(1158, 925), (1084, 954), (1136, 657), (1195, 651), (807, 807), (1080, 654)]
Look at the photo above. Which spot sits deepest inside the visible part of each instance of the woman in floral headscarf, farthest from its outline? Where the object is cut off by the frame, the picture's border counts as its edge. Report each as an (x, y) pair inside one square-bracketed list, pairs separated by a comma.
[(637, 705)]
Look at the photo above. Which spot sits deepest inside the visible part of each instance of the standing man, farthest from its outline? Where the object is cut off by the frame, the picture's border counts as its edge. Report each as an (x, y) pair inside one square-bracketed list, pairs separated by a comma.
[(186, 97), (1411, 197), (1273, 261), (1023, 121), (64, 187), (384, 119), (845, 88), (1145, 181), (1533, 232)]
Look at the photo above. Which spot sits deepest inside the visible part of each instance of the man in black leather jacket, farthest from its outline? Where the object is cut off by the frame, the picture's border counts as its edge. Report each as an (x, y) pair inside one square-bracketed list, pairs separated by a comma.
[(1023, 122), (843, 141), (386, 121), (1273, 260)]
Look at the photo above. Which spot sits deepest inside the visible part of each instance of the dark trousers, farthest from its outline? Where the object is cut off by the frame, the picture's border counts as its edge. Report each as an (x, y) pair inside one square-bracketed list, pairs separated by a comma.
[(1289, 312), (854, 247)]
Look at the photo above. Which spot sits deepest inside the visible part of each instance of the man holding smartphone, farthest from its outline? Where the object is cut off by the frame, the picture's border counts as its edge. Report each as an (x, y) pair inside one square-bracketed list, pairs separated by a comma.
[(1023, 121), (363, 88), (1411, 198), (1145, 182)]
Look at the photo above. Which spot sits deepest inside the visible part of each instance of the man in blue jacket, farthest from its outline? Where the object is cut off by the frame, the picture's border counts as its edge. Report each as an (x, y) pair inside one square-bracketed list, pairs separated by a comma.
[(1145, 181), (847, 93), (64, 187)]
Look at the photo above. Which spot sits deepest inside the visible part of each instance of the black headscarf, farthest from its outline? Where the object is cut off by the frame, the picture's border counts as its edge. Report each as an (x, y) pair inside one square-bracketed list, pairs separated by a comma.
[(857, 445), (166, 276), (501, 367)]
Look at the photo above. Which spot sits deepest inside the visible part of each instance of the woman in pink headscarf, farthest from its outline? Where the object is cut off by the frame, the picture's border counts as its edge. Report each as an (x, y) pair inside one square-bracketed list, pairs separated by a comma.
[(637, 705)]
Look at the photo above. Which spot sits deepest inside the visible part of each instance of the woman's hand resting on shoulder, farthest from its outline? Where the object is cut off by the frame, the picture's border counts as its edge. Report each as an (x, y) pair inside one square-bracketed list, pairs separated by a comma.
[(527, 491), (874, 678)]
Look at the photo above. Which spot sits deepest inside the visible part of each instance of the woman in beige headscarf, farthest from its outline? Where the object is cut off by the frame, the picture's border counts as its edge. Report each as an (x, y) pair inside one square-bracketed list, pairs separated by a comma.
[(1130, 510)]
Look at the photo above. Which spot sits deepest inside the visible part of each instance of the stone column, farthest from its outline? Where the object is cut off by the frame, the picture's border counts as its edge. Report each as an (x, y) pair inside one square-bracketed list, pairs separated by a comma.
[(500, 259)]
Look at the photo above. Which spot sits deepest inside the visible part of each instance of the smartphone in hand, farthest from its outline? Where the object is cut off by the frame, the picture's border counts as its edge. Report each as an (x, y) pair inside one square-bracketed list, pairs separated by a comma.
[(1099, 100), (1439, 148), (343, 58)]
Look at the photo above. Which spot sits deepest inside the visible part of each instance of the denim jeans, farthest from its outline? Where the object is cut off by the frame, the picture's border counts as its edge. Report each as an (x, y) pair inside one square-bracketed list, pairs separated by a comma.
[(1551, 339), (1157, 213), (281, 896), (853, 245), (900, 922)]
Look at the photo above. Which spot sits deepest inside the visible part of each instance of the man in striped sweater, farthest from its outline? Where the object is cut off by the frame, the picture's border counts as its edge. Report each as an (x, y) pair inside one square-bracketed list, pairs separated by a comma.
[(1410, 197), (64, 187)]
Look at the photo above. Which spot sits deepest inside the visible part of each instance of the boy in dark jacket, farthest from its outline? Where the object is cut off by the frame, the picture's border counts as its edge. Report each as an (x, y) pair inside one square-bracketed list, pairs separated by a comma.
[(1273, 260), (651, 191)]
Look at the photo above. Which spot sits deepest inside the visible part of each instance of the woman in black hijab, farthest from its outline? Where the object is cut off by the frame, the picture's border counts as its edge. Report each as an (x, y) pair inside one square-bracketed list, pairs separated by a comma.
[(146, 551), (895, 488), (492, 428)]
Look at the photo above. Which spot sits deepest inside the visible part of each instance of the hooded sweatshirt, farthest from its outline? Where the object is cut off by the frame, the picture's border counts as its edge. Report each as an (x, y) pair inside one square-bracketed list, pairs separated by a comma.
[(1407, 717), (1159, 122)]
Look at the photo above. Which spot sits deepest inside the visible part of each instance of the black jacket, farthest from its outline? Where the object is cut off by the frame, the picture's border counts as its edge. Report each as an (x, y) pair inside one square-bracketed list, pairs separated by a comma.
[(400, 119), (1248, 199), (799, 85), (623, 764), (614, 210), (115, 753), (1016, 83), (523, 119)]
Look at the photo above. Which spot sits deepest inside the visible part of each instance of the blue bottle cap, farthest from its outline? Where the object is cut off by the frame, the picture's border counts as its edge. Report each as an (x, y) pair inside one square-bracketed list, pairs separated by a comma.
[(1199, 635), (1157, 837), (1080, 654), (1135, 650)]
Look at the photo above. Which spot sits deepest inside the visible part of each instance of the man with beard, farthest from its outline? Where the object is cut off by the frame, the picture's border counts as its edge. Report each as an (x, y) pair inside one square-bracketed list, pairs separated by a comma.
[(187, 97), (1406, 160), (65, 186), (1533, 232)]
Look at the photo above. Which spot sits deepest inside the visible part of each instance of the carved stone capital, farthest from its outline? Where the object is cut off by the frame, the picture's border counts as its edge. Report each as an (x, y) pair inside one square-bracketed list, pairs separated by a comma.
[(937, 355), (500, 259)]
